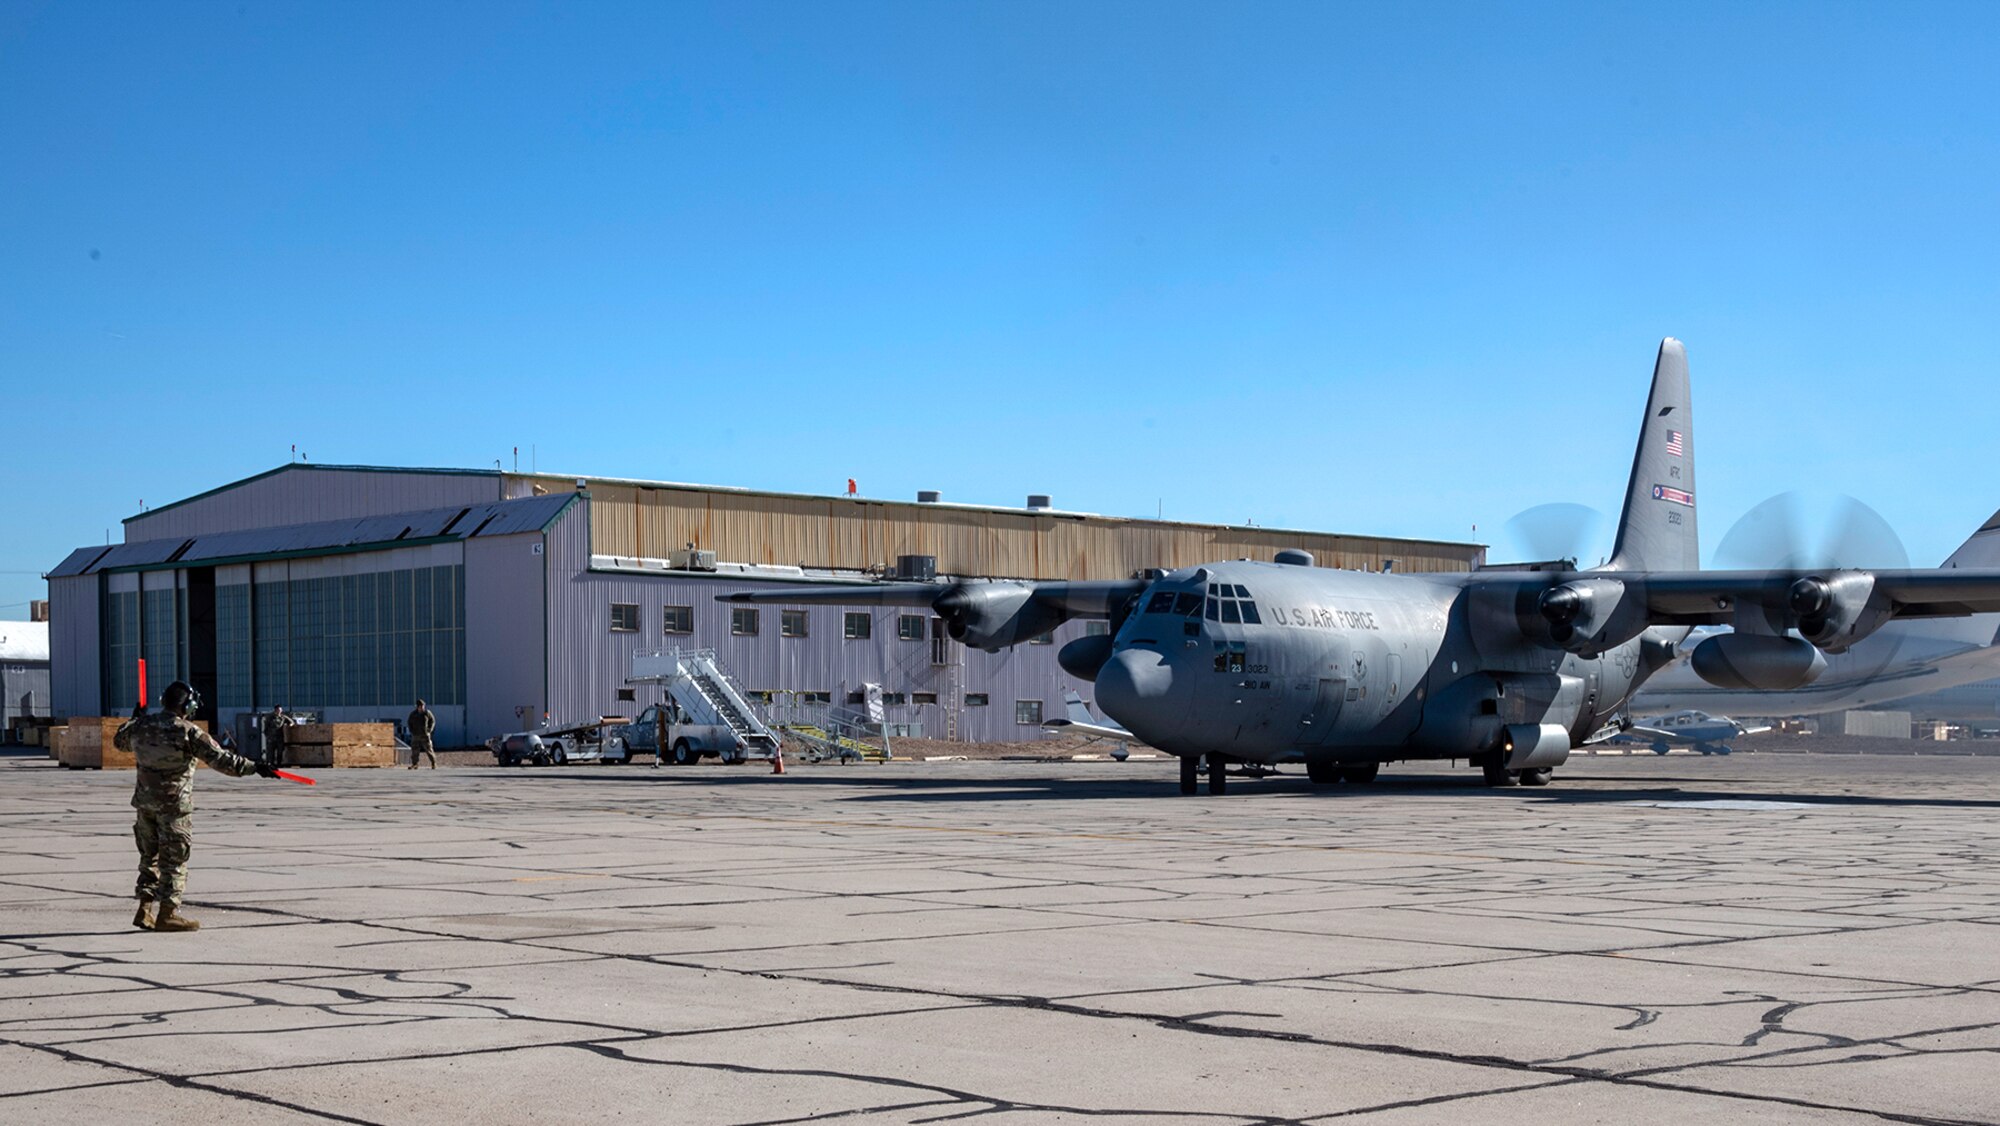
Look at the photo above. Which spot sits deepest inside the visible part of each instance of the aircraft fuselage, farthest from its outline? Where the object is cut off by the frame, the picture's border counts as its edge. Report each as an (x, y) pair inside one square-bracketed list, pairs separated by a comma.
[(1268, 663)]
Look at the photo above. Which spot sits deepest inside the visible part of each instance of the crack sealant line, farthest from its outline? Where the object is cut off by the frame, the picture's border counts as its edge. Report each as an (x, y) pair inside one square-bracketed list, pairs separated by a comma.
[(189, 1083)]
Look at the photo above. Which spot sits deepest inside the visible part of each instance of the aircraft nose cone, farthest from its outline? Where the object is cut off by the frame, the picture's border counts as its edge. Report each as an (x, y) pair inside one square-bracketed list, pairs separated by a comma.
[(1133, 684)]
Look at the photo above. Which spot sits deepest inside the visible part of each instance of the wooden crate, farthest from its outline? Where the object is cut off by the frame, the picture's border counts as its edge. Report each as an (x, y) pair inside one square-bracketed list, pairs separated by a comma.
[(337, 733), (340, 754), (90, 744)]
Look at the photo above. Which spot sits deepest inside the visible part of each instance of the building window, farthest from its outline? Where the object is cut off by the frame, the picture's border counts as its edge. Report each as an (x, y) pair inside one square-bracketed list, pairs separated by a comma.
[(624, 617), (743, 621), (816, 697), (1028, 712), (1095, 628), (791, 623), (860, 627), (975, 699), (679, 619), (889, 698), (857, 697), (923, 698), (1044, 639), (627, 695), (911, 627)]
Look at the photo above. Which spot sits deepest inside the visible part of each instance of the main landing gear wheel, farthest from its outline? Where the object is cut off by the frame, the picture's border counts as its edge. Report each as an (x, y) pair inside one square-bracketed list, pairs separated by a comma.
[(1323, 773), (1360, 771), (1539, 777), (1190, 768), (1497, 773), (1218, 774)]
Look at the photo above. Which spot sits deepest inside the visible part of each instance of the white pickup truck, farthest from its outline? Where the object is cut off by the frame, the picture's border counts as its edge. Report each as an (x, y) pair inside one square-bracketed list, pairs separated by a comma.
[(685, 742)]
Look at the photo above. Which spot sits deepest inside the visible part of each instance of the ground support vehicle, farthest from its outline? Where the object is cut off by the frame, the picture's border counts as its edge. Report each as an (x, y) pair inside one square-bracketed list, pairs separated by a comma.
[(599, 740), (707, 712)]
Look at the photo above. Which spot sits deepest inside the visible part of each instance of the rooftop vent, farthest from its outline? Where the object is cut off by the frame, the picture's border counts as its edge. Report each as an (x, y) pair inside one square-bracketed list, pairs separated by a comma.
[(929, 496), (916, 568), (1293, 557), (1039, 500), (692, 559)]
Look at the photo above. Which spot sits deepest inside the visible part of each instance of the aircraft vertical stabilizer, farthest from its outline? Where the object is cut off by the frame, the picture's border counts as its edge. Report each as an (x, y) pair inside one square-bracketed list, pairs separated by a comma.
[(1656, 530)]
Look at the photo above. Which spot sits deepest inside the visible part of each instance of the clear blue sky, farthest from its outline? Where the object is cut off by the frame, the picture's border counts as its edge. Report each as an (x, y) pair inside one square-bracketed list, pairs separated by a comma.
[(1395, 269)]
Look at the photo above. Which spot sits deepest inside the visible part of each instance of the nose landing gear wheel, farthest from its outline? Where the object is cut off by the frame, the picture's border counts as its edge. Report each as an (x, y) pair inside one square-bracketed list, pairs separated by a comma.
[(1497, 774), (1189, 768), (1537, 777)]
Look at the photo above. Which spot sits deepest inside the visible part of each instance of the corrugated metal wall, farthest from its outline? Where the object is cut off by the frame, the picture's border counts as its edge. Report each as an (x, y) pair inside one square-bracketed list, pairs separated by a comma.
[(305, 494), (506, 649), (76, 654), (588, 663), (838, 533), (24, 690)]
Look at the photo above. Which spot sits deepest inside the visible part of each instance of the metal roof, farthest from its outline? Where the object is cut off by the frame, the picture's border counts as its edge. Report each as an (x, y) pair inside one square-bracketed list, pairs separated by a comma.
[(501, 518), (24, 641), (308, 466)]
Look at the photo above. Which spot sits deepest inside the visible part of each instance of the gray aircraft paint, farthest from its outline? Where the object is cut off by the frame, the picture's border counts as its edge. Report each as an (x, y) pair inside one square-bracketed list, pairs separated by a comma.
[(1344, 666)]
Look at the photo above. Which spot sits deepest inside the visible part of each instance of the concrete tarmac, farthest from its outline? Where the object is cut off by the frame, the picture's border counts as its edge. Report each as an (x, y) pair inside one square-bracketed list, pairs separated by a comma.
[(1754, 939)]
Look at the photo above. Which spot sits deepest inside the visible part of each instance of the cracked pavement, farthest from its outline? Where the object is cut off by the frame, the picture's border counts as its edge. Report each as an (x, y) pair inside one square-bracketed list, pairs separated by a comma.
[(1760, 938)]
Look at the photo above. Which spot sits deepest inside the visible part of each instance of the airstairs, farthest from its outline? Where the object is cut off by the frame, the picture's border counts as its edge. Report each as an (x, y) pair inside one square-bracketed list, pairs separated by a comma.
[(707, 694), (828, 732)]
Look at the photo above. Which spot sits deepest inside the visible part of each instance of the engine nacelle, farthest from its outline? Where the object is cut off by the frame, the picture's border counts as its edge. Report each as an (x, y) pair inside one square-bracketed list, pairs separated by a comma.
[(1083, 657), (1835, 611), (992, 616), (1757, 661), (1588, 615)]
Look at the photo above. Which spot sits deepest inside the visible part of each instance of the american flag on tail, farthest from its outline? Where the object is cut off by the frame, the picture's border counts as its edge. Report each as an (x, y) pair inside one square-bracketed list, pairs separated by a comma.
[(1674, 443)]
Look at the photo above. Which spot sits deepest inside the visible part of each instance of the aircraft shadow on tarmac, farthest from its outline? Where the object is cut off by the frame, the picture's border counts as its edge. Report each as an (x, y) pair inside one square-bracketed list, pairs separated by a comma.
[(883, 788)]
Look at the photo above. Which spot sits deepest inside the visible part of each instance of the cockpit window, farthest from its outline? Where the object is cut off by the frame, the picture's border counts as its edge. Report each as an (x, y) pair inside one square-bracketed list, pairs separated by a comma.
[(1230, 603), (1162, 602), (1188, 604)]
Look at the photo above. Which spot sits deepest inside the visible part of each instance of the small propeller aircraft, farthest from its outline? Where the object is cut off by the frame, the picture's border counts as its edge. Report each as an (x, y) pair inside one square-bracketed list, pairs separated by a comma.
[(1077, 720), (1509, 667), (1707, 734)]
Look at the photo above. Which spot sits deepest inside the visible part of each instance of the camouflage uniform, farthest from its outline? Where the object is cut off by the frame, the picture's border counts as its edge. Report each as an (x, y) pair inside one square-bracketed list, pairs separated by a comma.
[(165, 747), (422, 723), (274, 737)]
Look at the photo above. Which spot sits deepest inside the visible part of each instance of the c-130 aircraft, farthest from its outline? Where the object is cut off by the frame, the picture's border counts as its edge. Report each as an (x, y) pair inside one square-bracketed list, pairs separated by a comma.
[(1508, 667)]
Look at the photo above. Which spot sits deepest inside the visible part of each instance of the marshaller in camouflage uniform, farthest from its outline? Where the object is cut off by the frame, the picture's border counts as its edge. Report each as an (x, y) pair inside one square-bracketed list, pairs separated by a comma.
[(423, 721), (165, 746)]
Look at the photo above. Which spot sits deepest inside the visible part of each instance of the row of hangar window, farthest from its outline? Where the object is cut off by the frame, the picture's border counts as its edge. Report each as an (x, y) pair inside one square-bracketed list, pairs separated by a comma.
[(746, 621), (1025, 711)]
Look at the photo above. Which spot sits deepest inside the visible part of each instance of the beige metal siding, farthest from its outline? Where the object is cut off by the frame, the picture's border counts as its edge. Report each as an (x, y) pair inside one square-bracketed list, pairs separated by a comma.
[(836, 532)]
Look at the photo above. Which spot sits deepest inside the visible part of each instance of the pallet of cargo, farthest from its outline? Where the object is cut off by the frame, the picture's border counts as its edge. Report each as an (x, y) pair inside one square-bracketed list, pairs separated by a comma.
[(341, 744)]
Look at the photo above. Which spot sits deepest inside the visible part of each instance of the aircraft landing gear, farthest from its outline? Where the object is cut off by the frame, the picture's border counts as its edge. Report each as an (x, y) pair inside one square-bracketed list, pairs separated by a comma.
[(1360, 771), (1497, 773), (1323, 773), (1537, 777), (1218, 774), (1190, 767)]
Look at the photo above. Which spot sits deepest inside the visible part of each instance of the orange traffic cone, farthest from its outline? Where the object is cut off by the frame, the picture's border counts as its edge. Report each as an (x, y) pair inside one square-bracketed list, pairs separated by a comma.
[(778, 761)]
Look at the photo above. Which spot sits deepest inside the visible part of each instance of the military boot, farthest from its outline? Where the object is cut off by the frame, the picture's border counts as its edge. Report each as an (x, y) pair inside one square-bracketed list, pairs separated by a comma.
[(171, 919), (144, 919)]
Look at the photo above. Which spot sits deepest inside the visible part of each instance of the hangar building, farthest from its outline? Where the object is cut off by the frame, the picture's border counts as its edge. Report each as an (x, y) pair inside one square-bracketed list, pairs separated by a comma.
[(503, 597)]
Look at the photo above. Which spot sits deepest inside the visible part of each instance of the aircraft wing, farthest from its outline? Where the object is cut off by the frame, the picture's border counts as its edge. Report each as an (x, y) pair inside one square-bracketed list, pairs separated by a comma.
[(1711, 597), (985, 615), (1640, 730), (1079, 721)]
